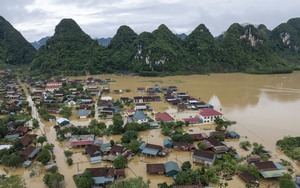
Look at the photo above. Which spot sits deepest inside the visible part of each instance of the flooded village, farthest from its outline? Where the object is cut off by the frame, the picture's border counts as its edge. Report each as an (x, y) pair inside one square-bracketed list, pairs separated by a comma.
[(178, 131)]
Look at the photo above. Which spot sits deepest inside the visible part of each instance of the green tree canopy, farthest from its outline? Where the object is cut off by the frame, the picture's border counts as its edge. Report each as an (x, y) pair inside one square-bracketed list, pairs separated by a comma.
[(132, 183), (120, 162), (11, 181), (128, 136), (54, 180), (84, 180)]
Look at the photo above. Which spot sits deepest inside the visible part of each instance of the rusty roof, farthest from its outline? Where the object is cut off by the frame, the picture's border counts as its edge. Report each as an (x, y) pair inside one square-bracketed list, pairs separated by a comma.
[(155, 168)]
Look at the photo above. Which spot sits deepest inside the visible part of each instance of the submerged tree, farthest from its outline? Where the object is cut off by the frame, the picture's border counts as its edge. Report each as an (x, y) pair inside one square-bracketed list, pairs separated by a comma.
[(11, 181), (223, 124), (84, 180), (54, 180), (132, 183)]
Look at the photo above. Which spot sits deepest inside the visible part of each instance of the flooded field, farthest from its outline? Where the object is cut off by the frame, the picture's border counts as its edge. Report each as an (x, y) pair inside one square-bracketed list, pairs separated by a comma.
[(266, 108)]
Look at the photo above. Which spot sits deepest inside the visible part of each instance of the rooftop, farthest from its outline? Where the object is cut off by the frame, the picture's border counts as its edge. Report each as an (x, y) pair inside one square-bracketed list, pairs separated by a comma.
[(164, 116), (209, 112)]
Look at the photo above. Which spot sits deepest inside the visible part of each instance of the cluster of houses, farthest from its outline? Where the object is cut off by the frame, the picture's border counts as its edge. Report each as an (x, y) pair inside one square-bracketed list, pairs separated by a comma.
[(11, 95), (20, 131), (91, 92), (12, 98)]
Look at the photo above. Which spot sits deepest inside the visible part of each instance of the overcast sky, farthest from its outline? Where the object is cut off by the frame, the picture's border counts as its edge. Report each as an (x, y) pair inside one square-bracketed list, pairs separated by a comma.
[(101, 18)]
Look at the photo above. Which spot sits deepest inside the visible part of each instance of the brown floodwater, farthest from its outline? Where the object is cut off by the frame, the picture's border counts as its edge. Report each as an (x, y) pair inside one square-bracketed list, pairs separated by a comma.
[(266, 108)]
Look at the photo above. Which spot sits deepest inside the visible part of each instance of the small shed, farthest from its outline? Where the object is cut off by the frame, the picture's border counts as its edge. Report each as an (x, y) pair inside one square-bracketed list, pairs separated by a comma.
[(233, 134), (171, 168), (153, 124), (26, 164), (168, 143), (62, 121)]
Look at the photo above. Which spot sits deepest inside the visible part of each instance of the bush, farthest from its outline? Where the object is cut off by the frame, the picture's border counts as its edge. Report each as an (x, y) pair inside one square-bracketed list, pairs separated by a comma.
[(44, 157), (70, 161)]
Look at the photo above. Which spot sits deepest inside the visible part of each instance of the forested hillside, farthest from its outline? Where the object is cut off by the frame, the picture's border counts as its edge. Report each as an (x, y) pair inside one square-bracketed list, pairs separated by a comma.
[(14, 49), (241, 48)]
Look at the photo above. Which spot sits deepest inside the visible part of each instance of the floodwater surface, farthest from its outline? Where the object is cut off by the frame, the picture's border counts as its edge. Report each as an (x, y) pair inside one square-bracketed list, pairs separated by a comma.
[(265, 107)]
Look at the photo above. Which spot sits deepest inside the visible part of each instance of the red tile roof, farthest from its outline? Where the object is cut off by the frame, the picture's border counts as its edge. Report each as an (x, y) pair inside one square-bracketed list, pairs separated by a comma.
[(209, 112), (164, 116)]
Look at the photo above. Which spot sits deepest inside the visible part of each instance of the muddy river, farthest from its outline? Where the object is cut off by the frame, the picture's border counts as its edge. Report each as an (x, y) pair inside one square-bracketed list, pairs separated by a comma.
[(266, 108)]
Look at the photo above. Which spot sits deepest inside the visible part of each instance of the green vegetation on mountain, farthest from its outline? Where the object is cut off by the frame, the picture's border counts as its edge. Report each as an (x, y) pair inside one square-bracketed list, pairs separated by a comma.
[(120, 50), (203, 48), (14, 49), (242, 48), (286, 40), (70, 51), (248, 49), (159, 51)]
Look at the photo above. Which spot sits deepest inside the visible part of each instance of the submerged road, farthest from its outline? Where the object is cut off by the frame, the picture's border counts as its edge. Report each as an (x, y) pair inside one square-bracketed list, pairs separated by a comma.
[(50, 134)]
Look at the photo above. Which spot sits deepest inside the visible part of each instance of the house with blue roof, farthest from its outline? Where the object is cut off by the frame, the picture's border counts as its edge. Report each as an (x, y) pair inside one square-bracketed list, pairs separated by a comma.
[(83, 113), (151, 150), (171, 168), (168, 143), (233, 134), (140, 117)]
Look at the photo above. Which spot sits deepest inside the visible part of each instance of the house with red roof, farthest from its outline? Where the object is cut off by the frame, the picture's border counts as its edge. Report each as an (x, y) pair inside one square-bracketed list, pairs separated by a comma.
[(81, 140), (208, 115), (164, 117), (52, 86)]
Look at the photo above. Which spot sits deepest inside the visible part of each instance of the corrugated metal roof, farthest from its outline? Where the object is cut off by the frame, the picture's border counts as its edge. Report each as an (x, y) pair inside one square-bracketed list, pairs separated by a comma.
[(169, 166), (150, 151)]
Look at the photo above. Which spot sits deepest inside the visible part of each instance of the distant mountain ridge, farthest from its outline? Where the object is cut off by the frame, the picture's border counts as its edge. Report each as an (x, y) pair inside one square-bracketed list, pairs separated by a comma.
[(241, 48), (41, 42), (103, 41)]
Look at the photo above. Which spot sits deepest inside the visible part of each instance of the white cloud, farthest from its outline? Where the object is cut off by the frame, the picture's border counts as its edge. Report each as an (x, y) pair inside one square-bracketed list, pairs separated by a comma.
[(101, 18)]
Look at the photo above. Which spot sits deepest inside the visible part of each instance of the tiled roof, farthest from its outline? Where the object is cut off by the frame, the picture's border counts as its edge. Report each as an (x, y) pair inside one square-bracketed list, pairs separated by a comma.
[(102, 171), (27, 151), (153, 146), (90, 150), (155, 168), (164, 116), (264, 166), (117, 148), (209, 112), (204, 154)]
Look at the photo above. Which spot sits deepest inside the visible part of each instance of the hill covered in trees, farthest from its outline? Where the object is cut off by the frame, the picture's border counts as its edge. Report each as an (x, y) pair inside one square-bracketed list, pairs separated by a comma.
[(242, 48), (70, 51), (14, 49)]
